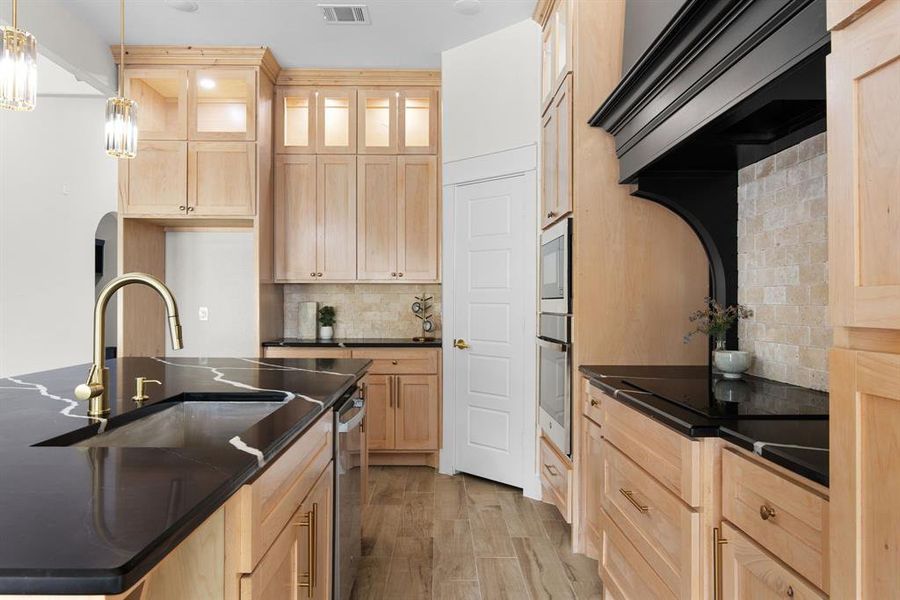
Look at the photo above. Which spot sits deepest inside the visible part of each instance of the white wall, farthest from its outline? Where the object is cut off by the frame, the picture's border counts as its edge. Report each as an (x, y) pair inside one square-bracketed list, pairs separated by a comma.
[(491, 92), (56, 183), (210, 269)]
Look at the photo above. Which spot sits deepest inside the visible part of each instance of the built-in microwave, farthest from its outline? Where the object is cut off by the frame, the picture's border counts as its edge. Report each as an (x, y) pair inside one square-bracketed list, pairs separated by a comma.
[(555, 271)]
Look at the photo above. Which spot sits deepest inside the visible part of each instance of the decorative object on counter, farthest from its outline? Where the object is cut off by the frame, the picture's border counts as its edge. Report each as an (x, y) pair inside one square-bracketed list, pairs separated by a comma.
[(307, 322), (18, 66), (326, 322), (422, 309), (732, 363), (715, 321), (121, 113)]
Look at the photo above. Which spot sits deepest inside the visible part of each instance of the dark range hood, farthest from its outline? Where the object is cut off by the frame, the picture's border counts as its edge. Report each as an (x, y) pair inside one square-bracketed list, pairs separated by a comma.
[(726, 83)]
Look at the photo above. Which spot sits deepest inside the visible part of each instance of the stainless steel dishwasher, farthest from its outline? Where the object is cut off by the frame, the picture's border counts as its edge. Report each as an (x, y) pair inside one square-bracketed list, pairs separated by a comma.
[(347, 493)]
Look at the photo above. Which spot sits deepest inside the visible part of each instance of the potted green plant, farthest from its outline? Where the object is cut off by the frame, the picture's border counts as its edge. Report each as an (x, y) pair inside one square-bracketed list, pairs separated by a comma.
[(715, 320), (326, 322)]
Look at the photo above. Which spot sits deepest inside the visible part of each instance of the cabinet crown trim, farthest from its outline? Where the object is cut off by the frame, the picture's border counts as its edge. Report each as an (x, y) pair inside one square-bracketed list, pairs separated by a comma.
[(360, 77), (226, 56)]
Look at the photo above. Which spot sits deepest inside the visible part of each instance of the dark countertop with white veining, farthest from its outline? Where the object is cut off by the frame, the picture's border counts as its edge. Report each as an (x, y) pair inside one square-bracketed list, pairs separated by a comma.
[(780, 422), (77, 520), (355, 343)]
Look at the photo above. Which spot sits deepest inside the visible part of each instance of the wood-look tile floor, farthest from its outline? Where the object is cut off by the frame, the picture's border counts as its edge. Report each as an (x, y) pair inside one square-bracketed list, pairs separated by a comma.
[(430, 536)]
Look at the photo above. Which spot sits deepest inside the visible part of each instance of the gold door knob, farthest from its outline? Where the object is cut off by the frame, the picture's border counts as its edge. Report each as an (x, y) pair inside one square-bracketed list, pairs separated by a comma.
[(461, 344), (766, 512)]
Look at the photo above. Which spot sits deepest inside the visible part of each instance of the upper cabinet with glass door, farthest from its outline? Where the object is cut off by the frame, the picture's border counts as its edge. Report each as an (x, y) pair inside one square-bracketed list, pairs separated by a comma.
[(418, 120), (295, 120), (556, 54), (162, 97), (377, 133), (336, 121), (222, 104)]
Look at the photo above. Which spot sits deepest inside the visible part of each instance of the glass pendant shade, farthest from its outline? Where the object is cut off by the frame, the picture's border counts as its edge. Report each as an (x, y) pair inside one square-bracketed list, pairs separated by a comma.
[(18, 69), (121, 127)]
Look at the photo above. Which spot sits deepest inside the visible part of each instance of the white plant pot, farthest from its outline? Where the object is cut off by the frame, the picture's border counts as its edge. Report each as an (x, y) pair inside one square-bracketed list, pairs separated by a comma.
[(326, 332), (732, 363)]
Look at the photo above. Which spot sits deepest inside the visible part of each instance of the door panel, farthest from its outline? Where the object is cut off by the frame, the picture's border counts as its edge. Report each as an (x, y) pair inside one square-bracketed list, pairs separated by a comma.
[(336, 121), (489, 292), (417, 412), (317, 509), (417, 212), (379, 412), (221, 178), (295, 218), (295, 120), (549, 155), (562, 106), (377, 218), (377, 121), (336, 191), (161, 95), (418, 121), (593, 484), (157, 179), (276, 575), (222, 104)]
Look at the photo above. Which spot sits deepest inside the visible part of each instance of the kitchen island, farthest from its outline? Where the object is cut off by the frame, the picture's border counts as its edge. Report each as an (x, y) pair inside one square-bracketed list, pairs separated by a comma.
[(96, 518)]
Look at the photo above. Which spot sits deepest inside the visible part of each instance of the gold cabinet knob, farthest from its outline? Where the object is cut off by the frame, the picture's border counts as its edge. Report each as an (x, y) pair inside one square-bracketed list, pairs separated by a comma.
[(595, 403), (318, 274), (393, 362), (399, 274), (766, 512), (313, 274), (182, 208), (190, 209), (393, 274), (790, 591), (461, 344)]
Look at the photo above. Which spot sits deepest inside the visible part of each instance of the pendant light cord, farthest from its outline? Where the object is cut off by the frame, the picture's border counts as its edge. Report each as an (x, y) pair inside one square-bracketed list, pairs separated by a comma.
[(121, 48), (15, 15)]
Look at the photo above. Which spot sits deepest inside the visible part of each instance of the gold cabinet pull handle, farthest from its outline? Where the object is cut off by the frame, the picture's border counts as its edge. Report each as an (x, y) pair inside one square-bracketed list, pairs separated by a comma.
[(310, 522), (790, 591), (396, 391), (461, 344), (629, 495), (766, 512), (390, 386), (718, 540), (551, 469)]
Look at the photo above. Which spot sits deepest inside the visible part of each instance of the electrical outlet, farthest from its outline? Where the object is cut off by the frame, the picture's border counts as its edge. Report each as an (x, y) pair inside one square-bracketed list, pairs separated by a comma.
[(203, 313)]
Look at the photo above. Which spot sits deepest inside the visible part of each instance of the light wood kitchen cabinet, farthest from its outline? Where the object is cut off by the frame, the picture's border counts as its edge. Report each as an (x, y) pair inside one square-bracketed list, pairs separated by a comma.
[(556, 156), (295, 120), (379, 412), (398, 227), (416, 412), (377, 122), (222, 104), (418, 120), (556, 478), (592, 454), (315, 519), (302, 352), (556, 50), (155, 181), (162, 97), (315, 225), (336, 121), (221, 178)]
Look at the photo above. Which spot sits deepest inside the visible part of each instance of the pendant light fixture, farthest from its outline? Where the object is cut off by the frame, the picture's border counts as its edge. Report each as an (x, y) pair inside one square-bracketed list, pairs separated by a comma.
[(121, 113), (18, 66)]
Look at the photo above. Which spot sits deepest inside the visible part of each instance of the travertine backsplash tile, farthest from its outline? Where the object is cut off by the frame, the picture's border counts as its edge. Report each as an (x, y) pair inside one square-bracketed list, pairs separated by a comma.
[(783, 264), (363, 310)]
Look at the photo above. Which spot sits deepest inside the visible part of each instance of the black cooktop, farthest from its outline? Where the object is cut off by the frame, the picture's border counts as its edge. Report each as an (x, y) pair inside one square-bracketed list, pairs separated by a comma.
[(750, 397)]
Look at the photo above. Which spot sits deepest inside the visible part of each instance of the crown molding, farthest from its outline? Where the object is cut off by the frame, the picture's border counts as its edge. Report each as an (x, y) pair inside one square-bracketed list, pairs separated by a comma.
[(232, 56), (360, 77)]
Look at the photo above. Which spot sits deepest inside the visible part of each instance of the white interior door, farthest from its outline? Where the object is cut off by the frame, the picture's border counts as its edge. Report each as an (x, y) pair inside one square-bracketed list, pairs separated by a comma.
[(489, 303)]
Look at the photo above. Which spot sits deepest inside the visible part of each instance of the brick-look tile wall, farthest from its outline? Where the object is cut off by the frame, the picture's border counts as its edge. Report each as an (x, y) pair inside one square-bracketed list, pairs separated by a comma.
[(783, 264), (363, 310)]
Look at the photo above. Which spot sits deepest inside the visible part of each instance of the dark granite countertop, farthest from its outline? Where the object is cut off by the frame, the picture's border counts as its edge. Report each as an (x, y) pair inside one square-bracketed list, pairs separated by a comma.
[(76, 520), (783, 423), (355, 343)]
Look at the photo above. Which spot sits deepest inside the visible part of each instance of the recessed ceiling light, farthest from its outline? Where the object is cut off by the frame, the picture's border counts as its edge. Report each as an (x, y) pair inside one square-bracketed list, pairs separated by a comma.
[(207, 84), (467, 7), (188, 6)]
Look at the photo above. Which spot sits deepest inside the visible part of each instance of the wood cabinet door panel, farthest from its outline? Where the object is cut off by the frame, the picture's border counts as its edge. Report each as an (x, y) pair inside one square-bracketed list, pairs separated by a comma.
[(317, 512), (295, 218), (592, 453), (749, 573), (863, 171), (336, 218), (562, 107), (416, 407), (222, 178), (161, 95), (418, 218), (336, 121), (295, 120), (276, 575), (157, 180), (379, 412), (377, 218), (549, 155), (623, 570), (418, 120), (222, 104), (377, 121)]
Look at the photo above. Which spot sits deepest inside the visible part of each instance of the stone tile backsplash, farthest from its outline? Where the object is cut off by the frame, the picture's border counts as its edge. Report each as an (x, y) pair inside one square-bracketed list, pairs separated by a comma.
[(783, 264), (363, 310)]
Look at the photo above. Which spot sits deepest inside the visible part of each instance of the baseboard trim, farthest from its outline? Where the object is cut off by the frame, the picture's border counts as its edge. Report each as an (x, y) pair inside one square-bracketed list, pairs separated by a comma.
[(426, 459)]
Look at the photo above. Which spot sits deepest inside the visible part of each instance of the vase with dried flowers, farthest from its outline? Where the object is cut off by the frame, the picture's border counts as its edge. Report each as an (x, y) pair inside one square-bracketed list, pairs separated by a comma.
[(715, 320)]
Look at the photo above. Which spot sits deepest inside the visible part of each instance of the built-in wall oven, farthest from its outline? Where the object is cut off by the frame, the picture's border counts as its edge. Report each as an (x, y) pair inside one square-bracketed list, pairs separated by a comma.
[(555, 379), (555, 271), (348, 501)]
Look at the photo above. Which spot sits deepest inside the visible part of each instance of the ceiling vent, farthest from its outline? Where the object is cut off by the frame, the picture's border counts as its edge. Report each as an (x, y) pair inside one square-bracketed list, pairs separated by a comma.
[(346, 14)]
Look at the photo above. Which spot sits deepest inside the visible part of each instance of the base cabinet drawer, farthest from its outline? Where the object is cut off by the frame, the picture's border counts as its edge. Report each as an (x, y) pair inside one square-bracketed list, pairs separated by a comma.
[(663, 529), (785, 518), (556, 479), (400, 361), (290, 352), (673, 459), (750, 573), (625, 574), (593, 403)]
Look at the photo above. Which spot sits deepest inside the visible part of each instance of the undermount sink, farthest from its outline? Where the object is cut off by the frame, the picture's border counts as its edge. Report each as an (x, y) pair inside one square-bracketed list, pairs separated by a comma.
[(176, 425)]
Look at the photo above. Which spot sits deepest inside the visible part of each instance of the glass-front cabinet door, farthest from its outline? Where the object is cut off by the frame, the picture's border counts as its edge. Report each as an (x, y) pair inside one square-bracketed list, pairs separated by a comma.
[(295, 120), (418, 119), (161, 95), (222, 104), (336, 121), (377, 133)]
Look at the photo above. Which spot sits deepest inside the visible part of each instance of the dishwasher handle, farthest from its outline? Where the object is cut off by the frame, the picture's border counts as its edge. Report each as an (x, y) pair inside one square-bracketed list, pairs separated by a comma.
[(355, 420)]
